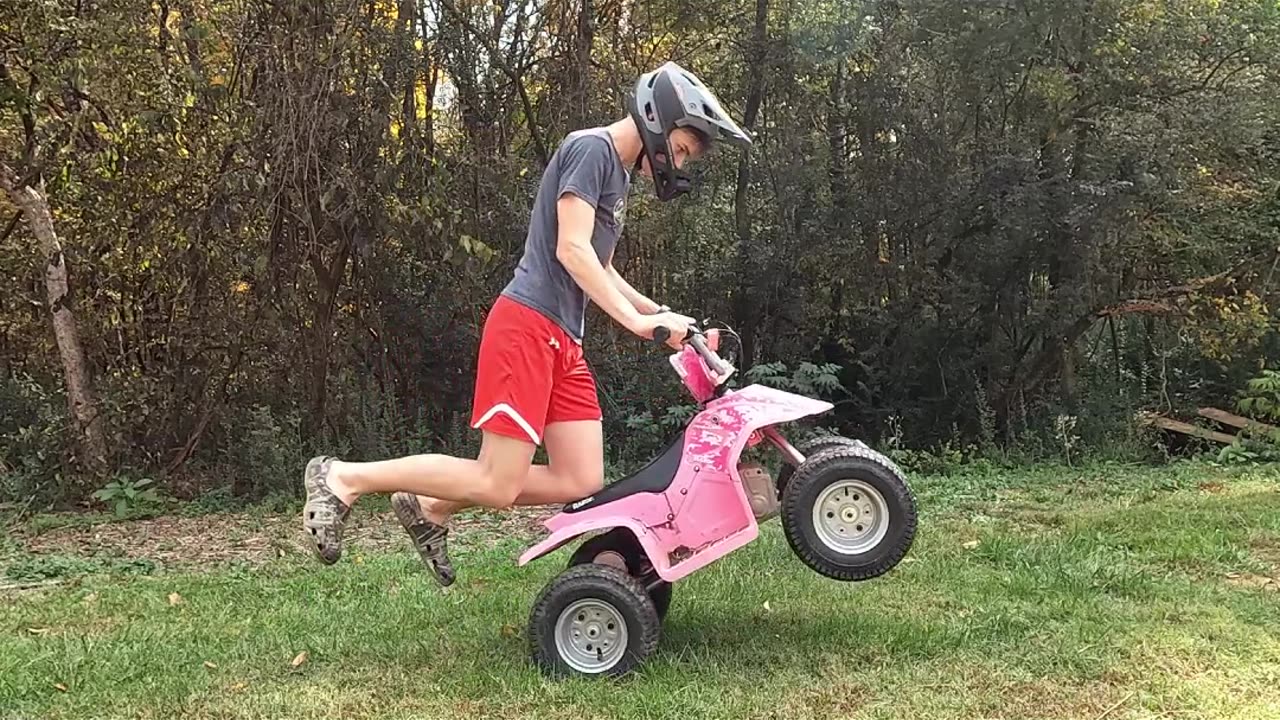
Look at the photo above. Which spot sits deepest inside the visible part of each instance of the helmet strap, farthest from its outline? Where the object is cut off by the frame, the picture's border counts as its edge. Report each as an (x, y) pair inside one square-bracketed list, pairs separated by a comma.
[(668, 181)]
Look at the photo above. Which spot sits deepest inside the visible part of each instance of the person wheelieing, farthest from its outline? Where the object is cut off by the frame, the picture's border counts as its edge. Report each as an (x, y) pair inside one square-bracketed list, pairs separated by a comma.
[(533, 385)]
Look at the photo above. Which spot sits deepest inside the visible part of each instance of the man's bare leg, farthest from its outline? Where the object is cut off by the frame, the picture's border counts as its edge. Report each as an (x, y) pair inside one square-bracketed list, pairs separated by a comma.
[(494, 479), (576, 469), (575, 451)]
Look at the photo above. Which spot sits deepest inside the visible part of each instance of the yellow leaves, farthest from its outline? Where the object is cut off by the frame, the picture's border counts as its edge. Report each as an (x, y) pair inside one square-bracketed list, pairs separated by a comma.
[(1222, 326), (299, 659), (174, 599), (477, 248), (389, 9)]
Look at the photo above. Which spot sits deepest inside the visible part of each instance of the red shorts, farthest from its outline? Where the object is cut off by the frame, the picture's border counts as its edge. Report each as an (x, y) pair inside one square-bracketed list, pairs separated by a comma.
[(531, 373)]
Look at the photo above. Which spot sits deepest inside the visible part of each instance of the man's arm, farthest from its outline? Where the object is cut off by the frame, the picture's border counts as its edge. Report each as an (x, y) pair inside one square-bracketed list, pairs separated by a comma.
[(573, 250), (642, 304)]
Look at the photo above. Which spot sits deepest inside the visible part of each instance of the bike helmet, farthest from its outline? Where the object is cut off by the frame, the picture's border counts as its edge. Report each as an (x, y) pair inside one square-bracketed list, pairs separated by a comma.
[(669, 98)]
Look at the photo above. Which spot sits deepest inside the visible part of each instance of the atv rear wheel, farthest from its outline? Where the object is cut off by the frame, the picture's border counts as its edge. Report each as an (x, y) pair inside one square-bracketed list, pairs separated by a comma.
[(620, 548), (593, 620)]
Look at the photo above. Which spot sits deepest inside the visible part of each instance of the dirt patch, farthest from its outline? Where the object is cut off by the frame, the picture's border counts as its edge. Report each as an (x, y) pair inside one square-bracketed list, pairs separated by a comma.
[(1252, 580), (1266, 548), (221, 539)]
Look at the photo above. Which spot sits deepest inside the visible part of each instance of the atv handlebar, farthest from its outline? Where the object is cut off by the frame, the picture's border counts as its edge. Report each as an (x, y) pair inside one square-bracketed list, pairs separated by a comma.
[(698, 340)]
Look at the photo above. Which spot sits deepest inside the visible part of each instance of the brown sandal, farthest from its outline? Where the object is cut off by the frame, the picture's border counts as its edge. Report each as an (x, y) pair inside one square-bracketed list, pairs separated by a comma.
[(429, 538), (324, 514)]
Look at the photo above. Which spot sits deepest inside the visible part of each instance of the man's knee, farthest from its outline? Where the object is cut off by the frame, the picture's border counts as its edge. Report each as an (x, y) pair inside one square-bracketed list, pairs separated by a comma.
[(498, 491), (587, 483), (499, 487), (504, 465)]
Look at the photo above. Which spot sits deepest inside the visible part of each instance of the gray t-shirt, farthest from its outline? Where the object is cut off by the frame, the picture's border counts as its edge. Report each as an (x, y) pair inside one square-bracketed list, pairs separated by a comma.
[(586, 165)]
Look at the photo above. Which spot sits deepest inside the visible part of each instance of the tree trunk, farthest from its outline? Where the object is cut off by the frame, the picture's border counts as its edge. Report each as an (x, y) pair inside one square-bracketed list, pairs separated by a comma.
[(582, 89), (84, 408), (744, 314)]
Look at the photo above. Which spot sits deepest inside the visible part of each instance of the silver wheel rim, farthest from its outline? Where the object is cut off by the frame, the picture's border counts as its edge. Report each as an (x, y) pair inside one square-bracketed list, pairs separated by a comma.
[(850, 517), (591, 636)]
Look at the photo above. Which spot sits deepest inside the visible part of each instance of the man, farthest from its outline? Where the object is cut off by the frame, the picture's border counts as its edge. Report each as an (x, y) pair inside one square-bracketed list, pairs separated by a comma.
[(532, 383)]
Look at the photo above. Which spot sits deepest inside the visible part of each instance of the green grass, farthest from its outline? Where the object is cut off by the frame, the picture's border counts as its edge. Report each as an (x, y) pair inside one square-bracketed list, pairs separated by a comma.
[(1109, 592)]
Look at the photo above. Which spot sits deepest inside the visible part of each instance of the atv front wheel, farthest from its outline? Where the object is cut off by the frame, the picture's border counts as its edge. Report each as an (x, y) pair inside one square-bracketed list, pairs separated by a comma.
[(848, 513)]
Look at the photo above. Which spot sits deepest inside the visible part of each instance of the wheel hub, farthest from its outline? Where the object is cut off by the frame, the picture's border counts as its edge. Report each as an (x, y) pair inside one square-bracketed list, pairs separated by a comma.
[(850, 517), (591, 635)]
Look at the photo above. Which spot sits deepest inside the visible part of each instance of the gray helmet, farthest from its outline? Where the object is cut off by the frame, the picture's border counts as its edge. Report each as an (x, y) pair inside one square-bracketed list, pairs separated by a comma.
[(669, 98)]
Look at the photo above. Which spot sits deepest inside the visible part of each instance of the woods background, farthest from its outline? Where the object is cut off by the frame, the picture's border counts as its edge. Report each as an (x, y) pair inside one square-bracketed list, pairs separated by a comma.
[(233, 232)]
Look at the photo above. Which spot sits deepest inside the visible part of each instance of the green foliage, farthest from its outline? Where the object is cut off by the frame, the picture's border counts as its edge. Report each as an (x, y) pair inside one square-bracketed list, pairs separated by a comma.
[(1262, 398), (34, 568), (266, 453), (33, 442), (1257, 444), (128, 497), (813, 380)]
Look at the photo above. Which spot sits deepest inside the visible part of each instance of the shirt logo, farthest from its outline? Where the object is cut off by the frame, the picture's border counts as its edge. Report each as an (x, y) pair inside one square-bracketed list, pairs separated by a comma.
[(620, 212)]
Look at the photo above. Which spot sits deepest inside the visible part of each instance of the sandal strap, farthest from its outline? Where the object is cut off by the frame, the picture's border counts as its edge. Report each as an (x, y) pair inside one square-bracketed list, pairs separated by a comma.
[(430, 539)]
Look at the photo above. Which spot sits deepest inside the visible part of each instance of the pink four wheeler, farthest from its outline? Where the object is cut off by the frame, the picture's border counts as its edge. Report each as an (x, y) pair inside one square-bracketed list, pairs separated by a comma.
[(846, 510)]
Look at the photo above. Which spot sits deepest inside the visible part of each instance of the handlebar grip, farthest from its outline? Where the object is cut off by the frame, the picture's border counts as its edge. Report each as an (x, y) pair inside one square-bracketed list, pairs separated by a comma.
[(717, 365), (661, 335)]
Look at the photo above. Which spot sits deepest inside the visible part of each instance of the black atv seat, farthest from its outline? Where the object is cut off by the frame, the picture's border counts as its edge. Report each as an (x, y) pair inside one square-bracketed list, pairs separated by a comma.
[(652, 478)]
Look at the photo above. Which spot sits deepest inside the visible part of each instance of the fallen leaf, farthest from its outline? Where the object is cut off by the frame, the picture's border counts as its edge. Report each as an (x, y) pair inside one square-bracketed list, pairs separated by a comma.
[(174, 598), (766, 606), (38, 631), (971, 544), (210, 665), (60, 686), (509, 631), (910, 560), (301, 658), (90, 599), (239, 686)]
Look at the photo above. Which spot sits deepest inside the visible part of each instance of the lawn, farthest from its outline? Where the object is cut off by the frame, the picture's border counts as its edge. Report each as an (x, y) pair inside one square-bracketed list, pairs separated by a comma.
[(1105, 593)]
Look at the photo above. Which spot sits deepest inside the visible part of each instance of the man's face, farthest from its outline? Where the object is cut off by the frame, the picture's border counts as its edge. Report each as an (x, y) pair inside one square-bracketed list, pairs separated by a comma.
[(685, 146)]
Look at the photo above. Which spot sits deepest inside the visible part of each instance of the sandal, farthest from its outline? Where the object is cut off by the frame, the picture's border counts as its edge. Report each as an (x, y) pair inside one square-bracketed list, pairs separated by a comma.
[(324, 514), (430, 539)]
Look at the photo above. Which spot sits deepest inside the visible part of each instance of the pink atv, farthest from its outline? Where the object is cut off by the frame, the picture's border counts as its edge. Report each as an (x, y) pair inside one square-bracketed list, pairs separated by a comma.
[(846, 510)]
